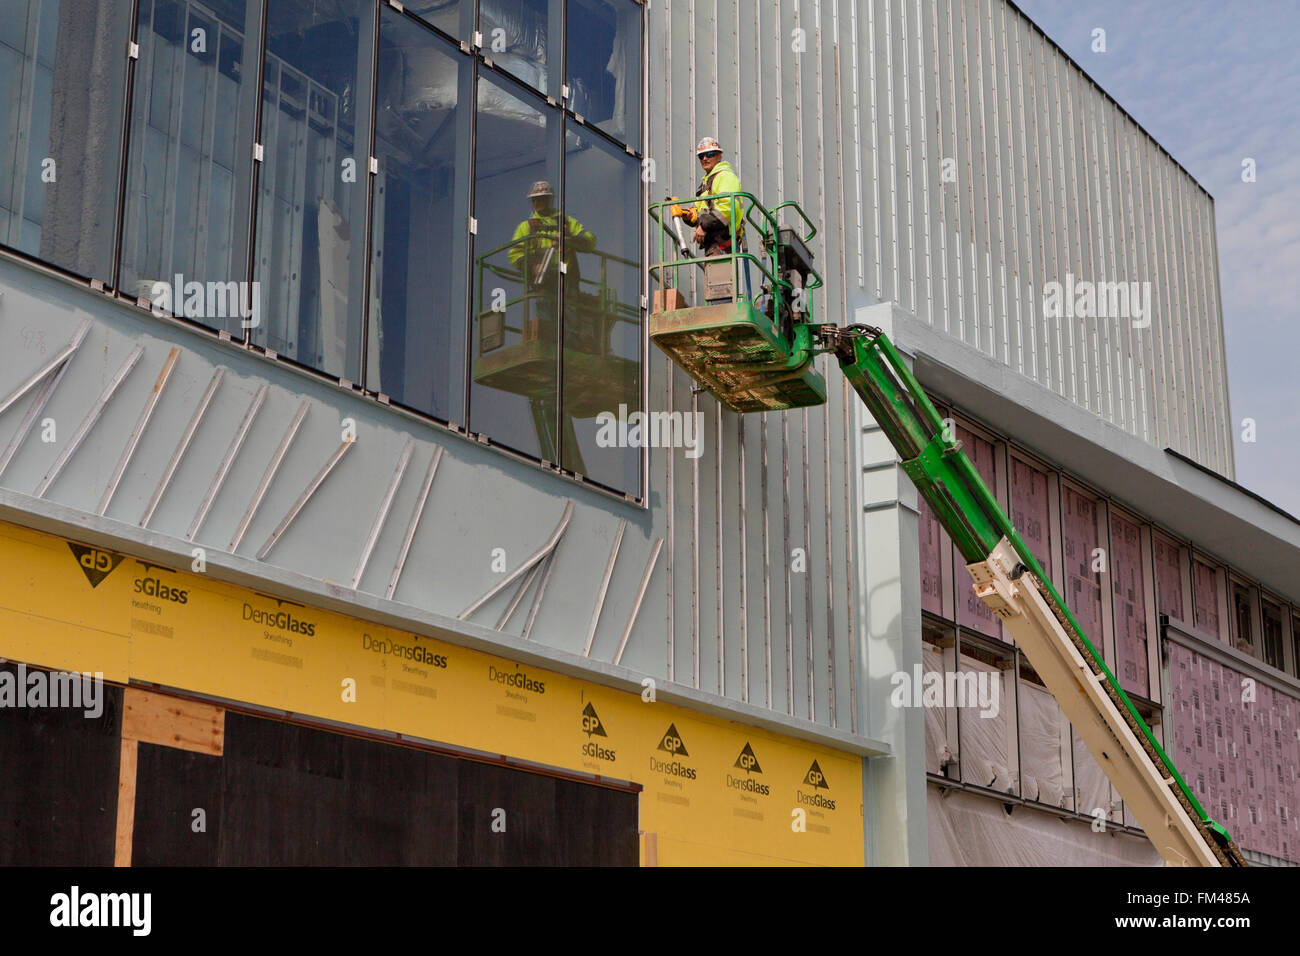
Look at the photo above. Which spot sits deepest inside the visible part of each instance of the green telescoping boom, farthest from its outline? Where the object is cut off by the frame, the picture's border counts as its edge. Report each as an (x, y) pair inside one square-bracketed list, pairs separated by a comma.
[(752, 349)]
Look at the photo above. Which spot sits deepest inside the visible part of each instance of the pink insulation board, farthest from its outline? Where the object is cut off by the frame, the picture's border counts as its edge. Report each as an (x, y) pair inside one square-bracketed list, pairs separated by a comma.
[(1030, 513), (971, 611), (1130, 605), (1240, 756), (933, 540), (1081, 539), (1205, 588), (1169, 578)]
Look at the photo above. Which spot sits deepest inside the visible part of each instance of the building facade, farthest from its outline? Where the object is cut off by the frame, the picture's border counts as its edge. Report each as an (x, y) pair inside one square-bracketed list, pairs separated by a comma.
[(349, 362)]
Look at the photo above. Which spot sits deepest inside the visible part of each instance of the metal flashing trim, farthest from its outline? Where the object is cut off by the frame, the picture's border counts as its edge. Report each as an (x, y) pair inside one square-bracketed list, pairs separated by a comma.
[(43, 397), (306, 496), (186, 437), (537, 556), (271, 468), (414, 523), (381, 516), (87, 423), (227, 461), (141, 424)]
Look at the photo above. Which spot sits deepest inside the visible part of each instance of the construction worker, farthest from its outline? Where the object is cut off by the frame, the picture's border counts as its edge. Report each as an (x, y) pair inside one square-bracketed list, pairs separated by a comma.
[(713, 218), (535, 238)]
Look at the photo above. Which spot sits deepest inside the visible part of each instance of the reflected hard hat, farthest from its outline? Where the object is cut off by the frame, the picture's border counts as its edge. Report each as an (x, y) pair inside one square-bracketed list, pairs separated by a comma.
[(541, 188), (708, 145)]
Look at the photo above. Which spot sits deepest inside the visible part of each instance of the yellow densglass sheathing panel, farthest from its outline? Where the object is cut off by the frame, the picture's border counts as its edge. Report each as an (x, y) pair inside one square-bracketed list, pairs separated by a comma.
[(715, 791)]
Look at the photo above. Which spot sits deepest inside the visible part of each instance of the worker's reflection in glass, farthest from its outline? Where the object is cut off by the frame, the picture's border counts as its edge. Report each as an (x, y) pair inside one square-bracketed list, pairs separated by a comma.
[(536, 255)]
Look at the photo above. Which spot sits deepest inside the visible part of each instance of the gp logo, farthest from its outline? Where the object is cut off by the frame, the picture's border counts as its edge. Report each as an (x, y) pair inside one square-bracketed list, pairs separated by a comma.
[(672, 742), (95, 564), (747, 761), (815, 778)]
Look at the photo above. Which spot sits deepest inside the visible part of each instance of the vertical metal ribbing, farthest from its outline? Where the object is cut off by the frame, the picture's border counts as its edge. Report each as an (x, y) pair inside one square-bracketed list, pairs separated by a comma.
[(695, 550), (874, 172), (1160, 316), (1118, 380), (1138, 337), (951, 191), (855, 86), (1222, 427), (1150, 272), (1065, 256), (1000, 129), (1012, 145), (923, 183), (744, 572), (670, 503), (966, 174), (1067, 181), (1044, 209), (889, 219), (1060, 252), (1081, 158), (1147, 337), (1173, 285), (767, 565), (992, 336), (1192, 316), (936, 116), (1027, 264), (847, 516), (1122, 241), (1223, 399), (909, 252)]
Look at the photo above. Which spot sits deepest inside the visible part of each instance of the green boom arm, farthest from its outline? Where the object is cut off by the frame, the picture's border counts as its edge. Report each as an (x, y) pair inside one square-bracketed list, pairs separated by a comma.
[(968, 511)]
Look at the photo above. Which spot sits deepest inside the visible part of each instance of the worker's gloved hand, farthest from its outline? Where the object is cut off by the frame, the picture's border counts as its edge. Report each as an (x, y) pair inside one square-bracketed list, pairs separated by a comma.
[(690, 216)]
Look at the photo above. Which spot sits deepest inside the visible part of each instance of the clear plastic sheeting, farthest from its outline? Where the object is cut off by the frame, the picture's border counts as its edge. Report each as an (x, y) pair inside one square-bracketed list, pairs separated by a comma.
[(988, 737), (1091, 788), (967, 829), (1044, 748), (939, 750)]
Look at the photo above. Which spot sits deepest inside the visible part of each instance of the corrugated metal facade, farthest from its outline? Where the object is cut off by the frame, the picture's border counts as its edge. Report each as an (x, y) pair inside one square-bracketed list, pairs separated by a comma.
[(959, 162)]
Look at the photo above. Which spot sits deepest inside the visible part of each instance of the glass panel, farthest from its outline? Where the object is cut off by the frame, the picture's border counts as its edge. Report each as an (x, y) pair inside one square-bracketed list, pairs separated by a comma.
[(312, 184), (1130, 605), (189, 173), (971, 611), (416, 348), (522, 38), (1272, 615), (604, 66), (1295, 650), (515, 392), (1242, 626), (62, 80), (933, 541), (456, 17), (602, 313)]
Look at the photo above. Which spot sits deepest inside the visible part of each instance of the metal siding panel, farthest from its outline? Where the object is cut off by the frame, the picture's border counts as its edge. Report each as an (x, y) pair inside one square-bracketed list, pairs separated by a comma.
[(1003, 328), (949, 192), (1052, 271)]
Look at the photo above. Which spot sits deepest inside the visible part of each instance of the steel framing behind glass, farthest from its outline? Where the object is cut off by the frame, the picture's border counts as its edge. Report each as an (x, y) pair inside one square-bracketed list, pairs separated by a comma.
[(391, 211)]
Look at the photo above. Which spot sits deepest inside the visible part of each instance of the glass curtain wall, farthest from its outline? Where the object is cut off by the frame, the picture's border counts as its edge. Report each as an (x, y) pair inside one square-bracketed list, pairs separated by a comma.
[(63, 69), (388, 205), (189, 174), (314, 180)]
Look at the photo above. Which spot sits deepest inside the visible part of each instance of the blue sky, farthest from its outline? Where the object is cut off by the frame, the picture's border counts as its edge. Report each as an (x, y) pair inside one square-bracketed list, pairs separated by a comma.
[(1213, 83)]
